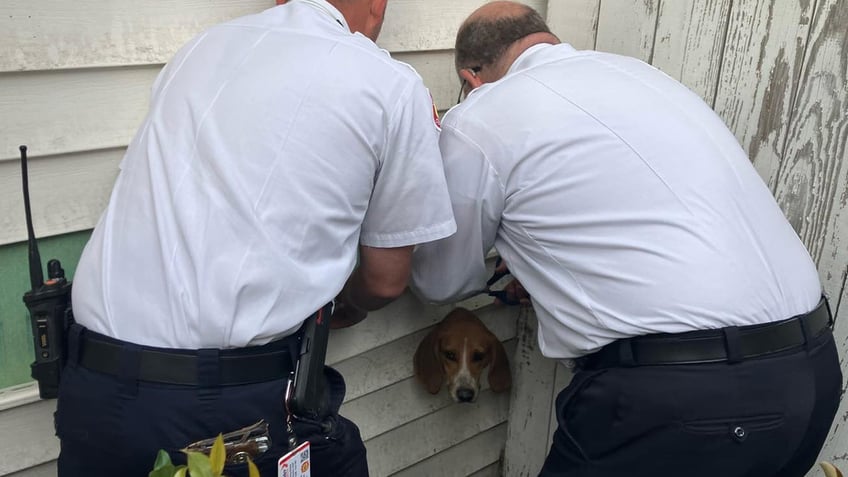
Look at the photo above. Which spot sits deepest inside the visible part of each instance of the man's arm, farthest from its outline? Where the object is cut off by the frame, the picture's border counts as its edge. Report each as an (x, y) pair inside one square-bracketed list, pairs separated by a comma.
[(382, 275), (454, 268)]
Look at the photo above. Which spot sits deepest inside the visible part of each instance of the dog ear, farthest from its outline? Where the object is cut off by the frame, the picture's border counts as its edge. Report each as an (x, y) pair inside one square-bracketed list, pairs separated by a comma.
[(500, 377), (427, 364)]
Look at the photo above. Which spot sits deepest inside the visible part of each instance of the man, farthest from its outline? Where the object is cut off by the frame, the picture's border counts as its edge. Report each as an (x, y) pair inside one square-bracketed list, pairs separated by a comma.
[(652, 251), (277, 146)]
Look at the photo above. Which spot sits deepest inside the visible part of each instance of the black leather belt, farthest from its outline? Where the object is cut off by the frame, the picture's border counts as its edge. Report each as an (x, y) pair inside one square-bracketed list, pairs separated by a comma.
[(229, 366), (731, 344)]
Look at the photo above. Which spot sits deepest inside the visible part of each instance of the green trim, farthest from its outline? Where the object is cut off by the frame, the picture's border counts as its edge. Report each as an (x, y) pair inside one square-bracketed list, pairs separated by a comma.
[(15, 333)]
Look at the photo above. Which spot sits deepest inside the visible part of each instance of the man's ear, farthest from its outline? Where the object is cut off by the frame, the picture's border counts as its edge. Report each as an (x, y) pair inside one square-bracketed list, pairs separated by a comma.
[(378, 8), (469, 76)]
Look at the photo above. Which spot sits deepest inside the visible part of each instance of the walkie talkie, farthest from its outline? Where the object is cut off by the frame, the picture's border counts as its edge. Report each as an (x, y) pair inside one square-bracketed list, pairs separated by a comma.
[(49, 305)]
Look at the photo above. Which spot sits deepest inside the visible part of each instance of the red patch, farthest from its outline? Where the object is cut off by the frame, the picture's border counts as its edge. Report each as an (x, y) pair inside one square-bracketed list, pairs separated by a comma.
[(436, 114)]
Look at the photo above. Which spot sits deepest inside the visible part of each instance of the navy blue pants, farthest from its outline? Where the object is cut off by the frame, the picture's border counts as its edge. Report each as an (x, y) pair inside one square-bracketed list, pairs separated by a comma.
[(761, 417), (115, 425)]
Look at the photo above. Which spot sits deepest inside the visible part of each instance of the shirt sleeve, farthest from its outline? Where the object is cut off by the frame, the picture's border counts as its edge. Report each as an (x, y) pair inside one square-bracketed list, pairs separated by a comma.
[(410, 203), (454, 268)]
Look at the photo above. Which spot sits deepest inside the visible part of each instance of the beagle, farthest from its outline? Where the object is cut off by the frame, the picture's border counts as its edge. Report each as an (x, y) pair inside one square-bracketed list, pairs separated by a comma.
[(455, 352)]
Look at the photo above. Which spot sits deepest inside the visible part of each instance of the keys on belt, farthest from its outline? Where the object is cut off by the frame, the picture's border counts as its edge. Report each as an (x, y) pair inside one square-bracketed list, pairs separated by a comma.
[(248, 442)]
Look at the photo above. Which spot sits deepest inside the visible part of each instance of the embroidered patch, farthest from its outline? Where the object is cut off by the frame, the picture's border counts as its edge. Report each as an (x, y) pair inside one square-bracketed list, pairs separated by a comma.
[(436, 114)]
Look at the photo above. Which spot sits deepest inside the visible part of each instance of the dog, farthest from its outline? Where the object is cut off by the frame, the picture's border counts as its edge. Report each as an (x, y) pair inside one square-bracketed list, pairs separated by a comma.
[(455, 353)]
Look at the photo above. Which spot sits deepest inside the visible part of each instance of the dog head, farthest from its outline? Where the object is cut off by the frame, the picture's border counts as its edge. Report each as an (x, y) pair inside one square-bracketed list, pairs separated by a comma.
[(455, 353)]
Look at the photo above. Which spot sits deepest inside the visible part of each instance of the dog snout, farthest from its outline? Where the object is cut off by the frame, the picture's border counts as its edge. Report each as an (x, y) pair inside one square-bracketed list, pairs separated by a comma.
[(465, 395)]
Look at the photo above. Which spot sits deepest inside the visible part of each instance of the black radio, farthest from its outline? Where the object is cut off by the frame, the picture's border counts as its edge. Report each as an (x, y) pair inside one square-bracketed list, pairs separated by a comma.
[(49, 305)]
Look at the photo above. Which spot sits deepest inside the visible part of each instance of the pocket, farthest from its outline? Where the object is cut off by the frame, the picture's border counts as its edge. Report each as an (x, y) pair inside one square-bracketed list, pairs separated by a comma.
[(88, 412), (565, 411), (737, 427), (567, 396), (319, 433), (266, 463), (336, 446)]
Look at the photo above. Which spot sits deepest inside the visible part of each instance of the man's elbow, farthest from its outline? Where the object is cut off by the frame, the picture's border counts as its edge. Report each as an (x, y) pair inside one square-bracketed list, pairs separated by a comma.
[(386, 290)]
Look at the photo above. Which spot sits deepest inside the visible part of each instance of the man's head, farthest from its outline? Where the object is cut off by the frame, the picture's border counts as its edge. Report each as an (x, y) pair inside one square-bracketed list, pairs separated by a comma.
[(492, 38), (363, 16)]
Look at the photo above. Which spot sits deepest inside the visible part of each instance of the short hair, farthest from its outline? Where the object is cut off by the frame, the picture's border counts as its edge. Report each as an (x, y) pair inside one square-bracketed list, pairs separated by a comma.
[(483, 41)]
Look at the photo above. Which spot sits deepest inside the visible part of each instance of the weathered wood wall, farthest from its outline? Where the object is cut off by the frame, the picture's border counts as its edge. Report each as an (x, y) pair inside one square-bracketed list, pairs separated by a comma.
[(777, 72)]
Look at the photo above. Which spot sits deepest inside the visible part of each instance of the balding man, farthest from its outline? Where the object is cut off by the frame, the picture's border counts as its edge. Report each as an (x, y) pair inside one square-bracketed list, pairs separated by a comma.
[(653, 253), (277, 146)]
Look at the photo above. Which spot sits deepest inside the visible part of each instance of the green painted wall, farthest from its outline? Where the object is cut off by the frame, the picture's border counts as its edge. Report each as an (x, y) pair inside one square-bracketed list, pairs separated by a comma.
[(15, 336)]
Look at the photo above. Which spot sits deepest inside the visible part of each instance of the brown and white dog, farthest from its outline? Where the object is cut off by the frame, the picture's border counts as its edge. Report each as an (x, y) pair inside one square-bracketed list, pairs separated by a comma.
[(455, 353)]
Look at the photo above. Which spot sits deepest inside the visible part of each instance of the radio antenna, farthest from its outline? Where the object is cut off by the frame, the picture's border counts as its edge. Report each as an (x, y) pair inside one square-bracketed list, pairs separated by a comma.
[(36, 276)]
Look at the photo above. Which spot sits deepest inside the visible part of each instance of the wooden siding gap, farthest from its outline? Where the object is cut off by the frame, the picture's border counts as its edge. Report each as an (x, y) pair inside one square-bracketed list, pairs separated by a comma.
[(721, 53), (405, 401), (469, 457), (417, 440), (656, 26)]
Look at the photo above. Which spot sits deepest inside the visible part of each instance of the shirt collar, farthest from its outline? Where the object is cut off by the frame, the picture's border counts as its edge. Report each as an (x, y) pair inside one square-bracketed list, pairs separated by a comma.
[(526, 59), (328, 9)]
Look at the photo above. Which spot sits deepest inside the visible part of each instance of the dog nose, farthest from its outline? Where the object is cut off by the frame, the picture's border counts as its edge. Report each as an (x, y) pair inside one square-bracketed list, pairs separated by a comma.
[(464, 395)]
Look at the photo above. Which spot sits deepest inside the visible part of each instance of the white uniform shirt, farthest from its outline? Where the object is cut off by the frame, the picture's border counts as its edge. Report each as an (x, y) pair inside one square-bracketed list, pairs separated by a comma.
[(273, 145), (618, 199)]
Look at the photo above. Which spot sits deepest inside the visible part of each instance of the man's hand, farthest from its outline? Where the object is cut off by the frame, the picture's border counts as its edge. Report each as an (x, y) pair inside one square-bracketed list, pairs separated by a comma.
[(515, 291)]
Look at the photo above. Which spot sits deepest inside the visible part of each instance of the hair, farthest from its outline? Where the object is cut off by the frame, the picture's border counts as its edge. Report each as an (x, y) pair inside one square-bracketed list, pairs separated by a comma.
[(483, 41)]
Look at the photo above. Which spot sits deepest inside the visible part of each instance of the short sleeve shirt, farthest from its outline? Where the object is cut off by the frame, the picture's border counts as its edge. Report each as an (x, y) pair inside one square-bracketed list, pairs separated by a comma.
[(620, 201), (275, 144)]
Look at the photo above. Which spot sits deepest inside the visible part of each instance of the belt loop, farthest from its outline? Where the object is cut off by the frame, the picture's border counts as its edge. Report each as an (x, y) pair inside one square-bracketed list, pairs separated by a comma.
[(74, 344), (733, 344), (831, 322), (806, 332), (625, 353), (208, 373), (128, 370)]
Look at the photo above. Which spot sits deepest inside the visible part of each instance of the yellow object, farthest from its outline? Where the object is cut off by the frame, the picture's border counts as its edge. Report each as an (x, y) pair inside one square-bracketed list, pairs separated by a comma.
[(830, 470)]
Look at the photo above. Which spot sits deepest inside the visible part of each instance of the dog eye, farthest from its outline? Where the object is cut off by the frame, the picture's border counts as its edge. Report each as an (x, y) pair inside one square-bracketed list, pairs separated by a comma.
[(477, 356), (450, 355)]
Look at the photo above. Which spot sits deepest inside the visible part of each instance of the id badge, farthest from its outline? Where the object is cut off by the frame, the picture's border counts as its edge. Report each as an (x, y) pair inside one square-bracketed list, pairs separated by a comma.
[(295, 463)]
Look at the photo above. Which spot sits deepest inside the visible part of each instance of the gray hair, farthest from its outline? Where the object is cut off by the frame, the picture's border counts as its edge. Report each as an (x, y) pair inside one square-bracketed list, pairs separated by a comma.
[(483, 41)]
